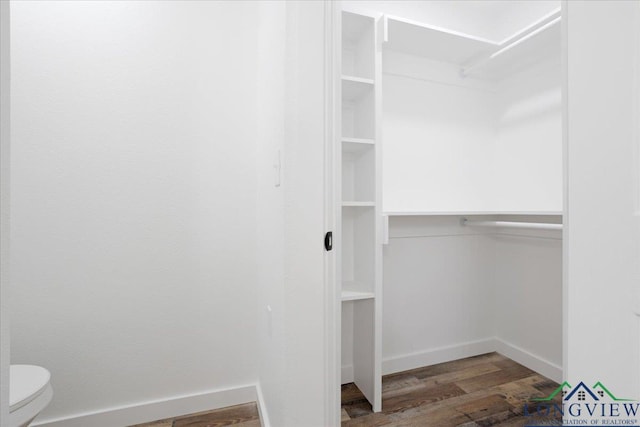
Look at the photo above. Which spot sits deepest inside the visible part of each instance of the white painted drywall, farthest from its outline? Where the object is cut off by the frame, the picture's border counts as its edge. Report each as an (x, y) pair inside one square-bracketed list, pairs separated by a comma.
[(601, 234), (466, 144), (437, 285), (527, 150), (271, 207), (527, 292), (134, 199), (5, 164), (437, 138)]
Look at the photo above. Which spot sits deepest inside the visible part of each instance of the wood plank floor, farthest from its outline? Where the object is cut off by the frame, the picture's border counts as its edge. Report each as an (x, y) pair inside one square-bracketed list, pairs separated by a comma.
[(487, 390), (239, 416)]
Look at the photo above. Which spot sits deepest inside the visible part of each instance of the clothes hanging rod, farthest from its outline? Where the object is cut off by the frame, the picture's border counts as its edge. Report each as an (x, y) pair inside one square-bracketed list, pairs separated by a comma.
[(508, 44), (512, 224)]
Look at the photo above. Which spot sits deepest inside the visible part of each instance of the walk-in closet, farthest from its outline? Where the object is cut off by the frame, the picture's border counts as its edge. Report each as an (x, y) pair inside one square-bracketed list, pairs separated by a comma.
[(450, 233), (283, 213)]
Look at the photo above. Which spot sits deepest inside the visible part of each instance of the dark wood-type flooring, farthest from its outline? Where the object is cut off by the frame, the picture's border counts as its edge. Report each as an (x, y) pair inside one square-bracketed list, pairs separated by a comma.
[(239, 416), (486, 390)]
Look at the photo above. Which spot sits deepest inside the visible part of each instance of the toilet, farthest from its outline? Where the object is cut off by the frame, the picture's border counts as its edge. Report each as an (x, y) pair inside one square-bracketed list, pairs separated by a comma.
[(29, 393)]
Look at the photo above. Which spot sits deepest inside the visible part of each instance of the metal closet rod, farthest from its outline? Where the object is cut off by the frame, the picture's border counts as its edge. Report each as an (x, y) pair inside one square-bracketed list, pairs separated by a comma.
[(547, 21), (512, 224)]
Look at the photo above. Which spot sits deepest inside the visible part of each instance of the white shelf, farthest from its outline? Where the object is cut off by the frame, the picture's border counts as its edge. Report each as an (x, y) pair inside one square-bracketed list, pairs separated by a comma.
[(469, 213), (355, 295), (356, 145), (355, 79), (494, 59), (355, 87), (358, 140), (435, 43), (356, 204)]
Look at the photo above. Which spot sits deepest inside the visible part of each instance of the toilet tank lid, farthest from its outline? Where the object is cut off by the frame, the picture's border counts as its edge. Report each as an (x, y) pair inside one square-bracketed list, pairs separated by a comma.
[(26, 382)]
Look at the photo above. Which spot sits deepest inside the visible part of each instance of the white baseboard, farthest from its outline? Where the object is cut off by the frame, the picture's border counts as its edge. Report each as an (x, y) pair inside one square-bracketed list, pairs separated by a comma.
[(159, 409), (409, 361), (530, 360), (420, 359), (262, 407), (347, 374)]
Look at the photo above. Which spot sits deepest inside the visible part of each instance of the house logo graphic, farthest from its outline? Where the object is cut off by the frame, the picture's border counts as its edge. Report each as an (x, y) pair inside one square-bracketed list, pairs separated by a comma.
[(582, 405), (596, 392)]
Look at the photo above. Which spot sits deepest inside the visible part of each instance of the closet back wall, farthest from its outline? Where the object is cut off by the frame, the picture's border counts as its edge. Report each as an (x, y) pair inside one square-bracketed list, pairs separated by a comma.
[(527, 297), (437, 292), (528, 144), (452, 292), (454, 144), (133, 197), (438, 136)]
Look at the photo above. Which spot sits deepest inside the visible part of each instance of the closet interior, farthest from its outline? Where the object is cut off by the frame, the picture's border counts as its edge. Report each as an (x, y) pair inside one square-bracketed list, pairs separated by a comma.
[(450, 234)]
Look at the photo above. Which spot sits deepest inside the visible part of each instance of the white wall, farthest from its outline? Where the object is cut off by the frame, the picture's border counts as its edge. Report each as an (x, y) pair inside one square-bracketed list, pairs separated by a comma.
[(134, 198), (601, 237), (437, 287), (527, 294), (438, 133), (527, 151), (270, 207), (5, 164), (465, 144)]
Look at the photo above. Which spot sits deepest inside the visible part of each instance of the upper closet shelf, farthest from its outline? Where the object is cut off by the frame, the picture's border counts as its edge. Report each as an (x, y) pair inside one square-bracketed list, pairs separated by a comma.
[(355, 87), (435, 43), (474, 55), (469, 213)]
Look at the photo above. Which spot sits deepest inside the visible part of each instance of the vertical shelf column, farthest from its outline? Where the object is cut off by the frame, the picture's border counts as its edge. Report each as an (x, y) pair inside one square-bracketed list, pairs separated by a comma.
[(359, 240)]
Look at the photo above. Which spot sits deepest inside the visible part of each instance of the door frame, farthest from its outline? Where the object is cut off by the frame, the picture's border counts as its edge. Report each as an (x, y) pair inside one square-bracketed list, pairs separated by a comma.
[(5, 147), (332, 118)]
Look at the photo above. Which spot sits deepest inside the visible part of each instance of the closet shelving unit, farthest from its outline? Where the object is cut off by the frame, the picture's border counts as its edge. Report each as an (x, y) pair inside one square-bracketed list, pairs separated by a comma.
[(362, 228), (431, 42), (424, 64), (360, 249)]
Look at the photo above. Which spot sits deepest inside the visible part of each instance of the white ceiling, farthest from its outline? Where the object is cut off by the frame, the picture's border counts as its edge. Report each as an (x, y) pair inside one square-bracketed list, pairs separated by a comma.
[(495, 20)]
